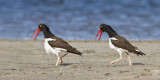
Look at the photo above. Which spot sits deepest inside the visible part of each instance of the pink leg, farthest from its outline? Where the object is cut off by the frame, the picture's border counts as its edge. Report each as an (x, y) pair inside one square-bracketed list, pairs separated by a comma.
[(130, 62), (112, 62)]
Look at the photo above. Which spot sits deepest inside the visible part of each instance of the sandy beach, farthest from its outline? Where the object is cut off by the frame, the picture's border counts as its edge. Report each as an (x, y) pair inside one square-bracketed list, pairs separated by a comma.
[(27, 60)]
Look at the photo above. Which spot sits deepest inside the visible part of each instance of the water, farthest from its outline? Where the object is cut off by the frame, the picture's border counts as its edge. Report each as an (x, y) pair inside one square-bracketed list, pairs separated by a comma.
[(80, 19)]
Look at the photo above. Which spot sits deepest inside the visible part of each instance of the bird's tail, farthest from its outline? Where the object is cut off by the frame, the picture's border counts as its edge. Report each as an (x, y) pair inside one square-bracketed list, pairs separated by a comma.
[(138, 52), (75, 51), (79, 53)]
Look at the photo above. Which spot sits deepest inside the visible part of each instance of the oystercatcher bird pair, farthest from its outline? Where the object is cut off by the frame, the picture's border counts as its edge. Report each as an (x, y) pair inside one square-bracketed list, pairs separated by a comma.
[(55, 45), (120, 44), (61, 48)]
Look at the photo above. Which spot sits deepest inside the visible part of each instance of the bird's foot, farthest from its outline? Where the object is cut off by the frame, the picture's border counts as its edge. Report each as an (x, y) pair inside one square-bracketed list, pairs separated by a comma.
[(130, 64), (61, 61), (111, 62), (56, 65)]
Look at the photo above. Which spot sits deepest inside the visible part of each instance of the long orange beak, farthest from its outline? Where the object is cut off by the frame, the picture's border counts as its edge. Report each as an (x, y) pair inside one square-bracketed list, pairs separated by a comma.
[(38, 30), (100, 31)]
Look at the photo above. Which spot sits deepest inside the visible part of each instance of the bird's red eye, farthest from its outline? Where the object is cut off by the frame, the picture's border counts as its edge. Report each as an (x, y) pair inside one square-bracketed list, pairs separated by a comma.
[(100, 26)]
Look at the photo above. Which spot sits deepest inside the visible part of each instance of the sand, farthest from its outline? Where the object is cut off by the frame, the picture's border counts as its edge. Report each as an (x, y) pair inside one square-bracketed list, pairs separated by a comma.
[(27, 60)]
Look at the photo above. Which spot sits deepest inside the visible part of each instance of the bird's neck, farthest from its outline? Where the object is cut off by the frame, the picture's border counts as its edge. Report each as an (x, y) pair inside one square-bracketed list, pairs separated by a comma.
[(111, 33), (48, 34)]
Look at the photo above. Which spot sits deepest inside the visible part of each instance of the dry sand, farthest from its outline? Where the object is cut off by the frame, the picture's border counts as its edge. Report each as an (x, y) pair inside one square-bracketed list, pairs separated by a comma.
[(27, 60)]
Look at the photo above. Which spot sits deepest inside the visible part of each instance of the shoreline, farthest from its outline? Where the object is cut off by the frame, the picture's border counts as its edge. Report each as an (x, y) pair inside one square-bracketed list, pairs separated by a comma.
[(78, 40)]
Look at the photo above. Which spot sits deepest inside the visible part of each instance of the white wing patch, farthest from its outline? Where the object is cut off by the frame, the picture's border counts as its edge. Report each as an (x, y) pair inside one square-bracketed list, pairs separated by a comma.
[(113, 38), (59, 49), (50, 39)]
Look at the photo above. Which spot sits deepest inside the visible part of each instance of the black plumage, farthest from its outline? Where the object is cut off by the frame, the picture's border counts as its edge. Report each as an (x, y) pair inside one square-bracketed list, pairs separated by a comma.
[(124, 44), (120, 44), (60, 43)]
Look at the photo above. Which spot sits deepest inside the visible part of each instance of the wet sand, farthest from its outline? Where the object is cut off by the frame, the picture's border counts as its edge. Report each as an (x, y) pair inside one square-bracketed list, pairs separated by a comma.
[(27, 60)]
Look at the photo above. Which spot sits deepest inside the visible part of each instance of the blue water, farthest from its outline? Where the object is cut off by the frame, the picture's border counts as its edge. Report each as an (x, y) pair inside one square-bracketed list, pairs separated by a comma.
[(80, 19)]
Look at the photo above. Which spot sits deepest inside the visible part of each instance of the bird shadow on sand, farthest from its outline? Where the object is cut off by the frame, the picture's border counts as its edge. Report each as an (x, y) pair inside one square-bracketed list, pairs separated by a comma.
[(69, 64), (138, 64), (134, 64), (66, 64)]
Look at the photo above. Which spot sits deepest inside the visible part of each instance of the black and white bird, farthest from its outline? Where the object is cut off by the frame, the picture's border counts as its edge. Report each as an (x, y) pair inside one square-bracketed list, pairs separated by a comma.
[(55, 45), (120, 44)]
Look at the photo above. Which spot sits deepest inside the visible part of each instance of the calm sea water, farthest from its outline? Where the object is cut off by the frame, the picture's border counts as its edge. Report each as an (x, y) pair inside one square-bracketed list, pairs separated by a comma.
[(80, 19)]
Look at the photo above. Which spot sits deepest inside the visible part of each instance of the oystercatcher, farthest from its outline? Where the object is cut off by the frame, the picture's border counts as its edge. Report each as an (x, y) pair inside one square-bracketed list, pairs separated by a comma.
[(55, 45), (120, 44)]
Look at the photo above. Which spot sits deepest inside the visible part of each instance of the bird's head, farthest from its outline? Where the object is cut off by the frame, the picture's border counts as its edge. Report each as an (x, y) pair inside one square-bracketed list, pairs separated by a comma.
[(103, 28), (41, 27)]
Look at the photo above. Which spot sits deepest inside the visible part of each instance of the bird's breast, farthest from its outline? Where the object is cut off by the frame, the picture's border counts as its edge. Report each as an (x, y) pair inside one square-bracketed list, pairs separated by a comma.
[(111, 45), (47, 47)]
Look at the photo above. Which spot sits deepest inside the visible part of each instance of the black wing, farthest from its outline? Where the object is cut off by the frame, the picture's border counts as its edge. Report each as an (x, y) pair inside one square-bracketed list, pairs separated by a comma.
[(123, 43), (60, 43)]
